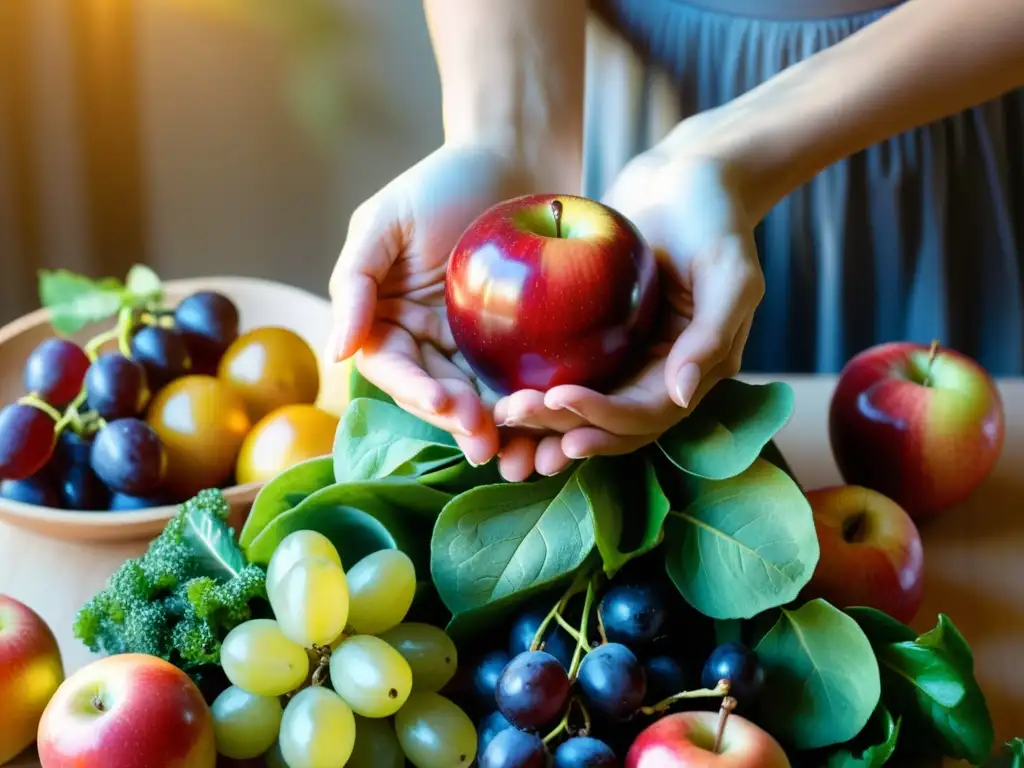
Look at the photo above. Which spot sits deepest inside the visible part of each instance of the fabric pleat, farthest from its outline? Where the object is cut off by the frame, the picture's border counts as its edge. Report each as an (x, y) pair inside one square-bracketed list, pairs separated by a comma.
[(917, 238)]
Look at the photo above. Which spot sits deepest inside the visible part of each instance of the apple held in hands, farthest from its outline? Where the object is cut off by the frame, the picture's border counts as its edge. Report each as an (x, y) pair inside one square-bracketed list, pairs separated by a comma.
[(687, 740), (127, 711), (546, 290), (923, 426), (30, 673), (871, 552)]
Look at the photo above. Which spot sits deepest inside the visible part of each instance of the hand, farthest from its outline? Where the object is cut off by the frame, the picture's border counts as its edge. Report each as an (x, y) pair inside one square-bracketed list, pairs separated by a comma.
[(711, 283), (387, 289)]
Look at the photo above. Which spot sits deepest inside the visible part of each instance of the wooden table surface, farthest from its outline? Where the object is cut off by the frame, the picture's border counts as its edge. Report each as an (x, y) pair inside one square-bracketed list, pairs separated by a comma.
[(975, 568)]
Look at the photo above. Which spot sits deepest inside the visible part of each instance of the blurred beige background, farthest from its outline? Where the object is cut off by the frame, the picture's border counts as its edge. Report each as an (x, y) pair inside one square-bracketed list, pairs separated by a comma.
[(260, 125)]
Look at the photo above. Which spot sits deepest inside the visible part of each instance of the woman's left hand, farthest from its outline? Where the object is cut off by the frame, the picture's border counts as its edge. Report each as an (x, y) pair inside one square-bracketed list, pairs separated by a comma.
[(711, 284)]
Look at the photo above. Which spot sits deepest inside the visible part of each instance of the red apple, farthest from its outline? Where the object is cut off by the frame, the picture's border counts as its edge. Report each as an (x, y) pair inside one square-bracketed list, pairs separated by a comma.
[(127, 711), (31, 670), (546, 290), (923, 426), (871, 552), (686, 740)]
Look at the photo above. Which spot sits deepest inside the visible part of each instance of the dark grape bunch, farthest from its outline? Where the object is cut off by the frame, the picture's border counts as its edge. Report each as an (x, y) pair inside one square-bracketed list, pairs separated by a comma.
[(79, 438), (574, 687)]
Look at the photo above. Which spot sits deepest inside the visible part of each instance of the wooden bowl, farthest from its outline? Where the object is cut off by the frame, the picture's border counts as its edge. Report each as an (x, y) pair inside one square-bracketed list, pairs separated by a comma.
[(260, 303)]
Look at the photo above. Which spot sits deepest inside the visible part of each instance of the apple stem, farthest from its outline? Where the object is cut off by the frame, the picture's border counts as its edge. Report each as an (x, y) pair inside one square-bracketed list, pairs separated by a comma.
[(556, 211), (932, 353), (728, 705), (722, 689)]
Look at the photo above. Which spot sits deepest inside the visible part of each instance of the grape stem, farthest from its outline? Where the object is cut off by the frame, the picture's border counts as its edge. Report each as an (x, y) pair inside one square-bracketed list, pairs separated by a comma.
[(582, 644), (564, 726), (728, 705), (323, 653), (600, 628), (722, 689), (569, 628), (35, 401), (575, 588)]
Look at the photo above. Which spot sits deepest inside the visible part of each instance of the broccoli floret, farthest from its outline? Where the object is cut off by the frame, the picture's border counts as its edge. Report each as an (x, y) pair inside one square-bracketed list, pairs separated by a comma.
[(170, 602)]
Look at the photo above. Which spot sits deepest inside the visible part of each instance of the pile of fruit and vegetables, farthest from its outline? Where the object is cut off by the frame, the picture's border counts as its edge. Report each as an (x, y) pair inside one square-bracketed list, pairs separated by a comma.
[(391, 604), (161, 403)]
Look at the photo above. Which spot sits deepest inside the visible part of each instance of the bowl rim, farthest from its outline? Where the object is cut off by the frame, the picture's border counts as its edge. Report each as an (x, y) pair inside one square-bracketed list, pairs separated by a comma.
[(103, 518)]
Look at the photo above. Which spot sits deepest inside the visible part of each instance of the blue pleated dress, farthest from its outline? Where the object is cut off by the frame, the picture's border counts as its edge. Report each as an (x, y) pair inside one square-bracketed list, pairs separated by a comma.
[(919, 237)]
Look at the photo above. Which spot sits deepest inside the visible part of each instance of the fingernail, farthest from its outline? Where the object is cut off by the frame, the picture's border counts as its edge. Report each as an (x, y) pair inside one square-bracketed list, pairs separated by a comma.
[(687, 382), (510, 422)]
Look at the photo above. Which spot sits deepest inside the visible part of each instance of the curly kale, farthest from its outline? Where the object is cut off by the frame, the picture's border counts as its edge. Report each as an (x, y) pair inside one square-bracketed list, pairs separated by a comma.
[(179, 599)]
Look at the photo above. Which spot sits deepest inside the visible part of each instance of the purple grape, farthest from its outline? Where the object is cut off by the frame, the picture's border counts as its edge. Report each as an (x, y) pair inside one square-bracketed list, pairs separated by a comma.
[(128, 456), (485, 678), (55, 371), (557, 641), (37, 490), (163, 353), (737, 664), (533, 690), (513, 748), (122, 502), (613, 681), (491, 726), (585, 752), (80, 488), (209, 323), (27, 441), (116, 387)]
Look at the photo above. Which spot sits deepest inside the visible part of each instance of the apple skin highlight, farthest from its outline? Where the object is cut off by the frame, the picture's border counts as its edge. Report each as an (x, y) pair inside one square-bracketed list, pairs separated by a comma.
[(535, 303)]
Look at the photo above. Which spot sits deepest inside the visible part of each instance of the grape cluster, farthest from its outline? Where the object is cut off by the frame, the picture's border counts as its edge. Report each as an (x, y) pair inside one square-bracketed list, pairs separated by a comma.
[(339, 676), (556, 699), (79, 438)]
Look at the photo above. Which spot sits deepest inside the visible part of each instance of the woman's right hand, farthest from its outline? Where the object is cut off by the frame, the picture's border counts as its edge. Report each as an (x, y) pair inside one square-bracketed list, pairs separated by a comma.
[(387, 288)]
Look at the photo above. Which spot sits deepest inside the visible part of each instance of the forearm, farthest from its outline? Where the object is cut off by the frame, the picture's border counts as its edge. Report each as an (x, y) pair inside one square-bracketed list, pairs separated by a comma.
[(512, 75), (923, 61)]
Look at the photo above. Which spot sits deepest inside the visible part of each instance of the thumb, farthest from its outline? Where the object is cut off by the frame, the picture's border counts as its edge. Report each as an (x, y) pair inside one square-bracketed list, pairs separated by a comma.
[(367, 256), (725, 294)]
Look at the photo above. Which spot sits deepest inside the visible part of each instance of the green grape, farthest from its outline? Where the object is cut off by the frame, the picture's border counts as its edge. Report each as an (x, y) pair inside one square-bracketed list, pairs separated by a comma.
[(258, 658), (381, 588), (244, 724), (435, 733), (376, 745), (430, 652), (273, 757), (371, 676), (317, 730), (294, 547), (311, 602)]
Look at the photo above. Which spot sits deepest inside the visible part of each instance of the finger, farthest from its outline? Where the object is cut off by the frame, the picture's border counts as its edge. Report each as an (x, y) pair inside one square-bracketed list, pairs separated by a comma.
[(390, 360), (724, 296), (734, 362), (550, 459), (364, 262), (638, 409), (516, 458), (526, 408), (590, 441), (422, 322)]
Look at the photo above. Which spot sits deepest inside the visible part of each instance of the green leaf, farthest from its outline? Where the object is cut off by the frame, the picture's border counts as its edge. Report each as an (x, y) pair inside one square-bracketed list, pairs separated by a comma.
[(212, 541), (496, 541), (143, 285), (402, 510), (461, 477), (726, 433), (771, 453), (885, 732), (628, 507), (75, 301), (285, 491), (880, 627), (376, 439), (822, 677), (930, 682), (742, 545)]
